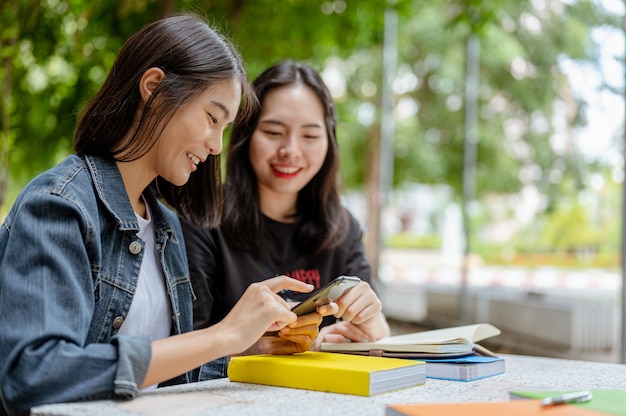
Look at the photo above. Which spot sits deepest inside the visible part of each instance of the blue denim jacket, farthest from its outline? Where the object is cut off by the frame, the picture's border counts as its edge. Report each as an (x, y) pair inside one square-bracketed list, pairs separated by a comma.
[(69, 264)]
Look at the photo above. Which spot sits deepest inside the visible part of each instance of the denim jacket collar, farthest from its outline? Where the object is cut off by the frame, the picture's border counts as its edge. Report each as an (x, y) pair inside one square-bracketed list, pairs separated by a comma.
[(111, 190)]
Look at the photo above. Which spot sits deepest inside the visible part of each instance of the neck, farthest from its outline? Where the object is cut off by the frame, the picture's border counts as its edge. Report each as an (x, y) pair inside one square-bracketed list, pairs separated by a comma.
[(135, 183), (277, 206)]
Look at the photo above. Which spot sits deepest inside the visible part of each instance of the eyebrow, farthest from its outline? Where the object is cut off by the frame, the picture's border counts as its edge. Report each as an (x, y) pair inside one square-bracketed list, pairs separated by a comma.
[(223, 107), (280, 123)]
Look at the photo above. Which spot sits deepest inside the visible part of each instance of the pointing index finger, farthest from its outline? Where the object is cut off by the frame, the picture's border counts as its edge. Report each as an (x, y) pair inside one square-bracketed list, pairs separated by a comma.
[(278, 283)]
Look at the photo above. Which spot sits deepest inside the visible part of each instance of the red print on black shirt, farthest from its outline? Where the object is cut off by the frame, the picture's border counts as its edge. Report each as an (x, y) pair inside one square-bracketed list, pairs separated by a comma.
[(311, 276)]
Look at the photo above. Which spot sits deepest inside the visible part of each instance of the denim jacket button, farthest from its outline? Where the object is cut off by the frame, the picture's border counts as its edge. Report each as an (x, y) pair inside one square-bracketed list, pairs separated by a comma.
[(117, 322), (134, 247)]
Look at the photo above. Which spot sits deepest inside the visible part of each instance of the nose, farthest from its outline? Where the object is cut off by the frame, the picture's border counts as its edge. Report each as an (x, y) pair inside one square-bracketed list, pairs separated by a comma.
[(214, 142), (288, 147)]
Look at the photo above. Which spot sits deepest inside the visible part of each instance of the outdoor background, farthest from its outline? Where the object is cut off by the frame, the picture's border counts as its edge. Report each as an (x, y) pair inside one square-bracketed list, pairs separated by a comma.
[(481, 140)]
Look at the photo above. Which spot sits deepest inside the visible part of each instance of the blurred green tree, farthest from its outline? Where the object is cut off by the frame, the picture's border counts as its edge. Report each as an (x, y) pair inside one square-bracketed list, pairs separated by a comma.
[(55, 53)]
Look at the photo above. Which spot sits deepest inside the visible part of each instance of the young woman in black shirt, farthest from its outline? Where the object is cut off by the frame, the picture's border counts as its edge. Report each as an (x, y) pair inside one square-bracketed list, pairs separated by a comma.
[(282, 212)]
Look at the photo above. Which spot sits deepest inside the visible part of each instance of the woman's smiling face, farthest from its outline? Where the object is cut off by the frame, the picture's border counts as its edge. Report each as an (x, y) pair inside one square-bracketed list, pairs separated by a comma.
[(195, 131), (289, 144)]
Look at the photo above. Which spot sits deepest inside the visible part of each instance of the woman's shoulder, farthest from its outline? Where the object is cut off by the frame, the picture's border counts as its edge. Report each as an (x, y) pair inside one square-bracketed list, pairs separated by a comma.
[(65, 170), (62, 189), (68, 178), (206, 236)]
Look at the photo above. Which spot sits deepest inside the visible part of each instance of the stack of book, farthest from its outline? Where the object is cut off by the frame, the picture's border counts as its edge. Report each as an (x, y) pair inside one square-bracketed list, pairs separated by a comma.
[(366, 369), (449, 353)]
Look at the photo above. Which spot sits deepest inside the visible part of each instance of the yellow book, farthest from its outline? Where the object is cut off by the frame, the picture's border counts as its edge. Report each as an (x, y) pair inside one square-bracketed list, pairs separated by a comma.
[(330, 372)]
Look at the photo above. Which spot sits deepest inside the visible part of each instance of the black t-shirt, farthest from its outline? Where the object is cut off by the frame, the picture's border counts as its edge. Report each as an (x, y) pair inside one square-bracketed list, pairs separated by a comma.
[(220, 273)]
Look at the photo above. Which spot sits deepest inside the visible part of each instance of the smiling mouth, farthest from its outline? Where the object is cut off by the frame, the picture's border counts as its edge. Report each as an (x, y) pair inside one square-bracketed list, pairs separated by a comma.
[(286, 170), (195, 159)]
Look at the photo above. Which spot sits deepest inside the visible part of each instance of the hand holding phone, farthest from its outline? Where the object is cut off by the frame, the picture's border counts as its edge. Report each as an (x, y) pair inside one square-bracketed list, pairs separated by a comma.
[(323, 296), (326, 294)]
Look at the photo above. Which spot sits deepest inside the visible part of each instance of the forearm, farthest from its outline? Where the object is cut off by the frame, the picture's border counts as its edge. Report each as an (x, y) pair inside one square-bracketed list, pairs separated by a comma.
[(181, 353), (237, 332)]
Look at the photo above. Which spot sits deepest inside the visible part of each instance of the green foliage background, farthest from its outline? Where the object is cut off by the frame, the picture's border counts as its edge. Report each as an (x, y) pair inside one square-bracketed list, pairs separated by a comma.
[(55, 54)]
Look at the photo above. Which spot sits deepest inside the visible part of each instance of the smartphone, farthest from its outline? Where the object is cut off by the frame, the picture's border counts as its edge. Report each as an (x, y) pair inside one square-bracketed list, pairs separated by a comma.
[(326, 294)]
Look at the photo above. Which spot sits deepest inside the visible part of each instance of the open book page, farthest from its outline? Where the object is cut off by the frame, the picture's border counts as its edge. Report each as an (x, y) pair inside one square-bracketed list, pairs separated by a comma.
[(472, 333), (448, 340)]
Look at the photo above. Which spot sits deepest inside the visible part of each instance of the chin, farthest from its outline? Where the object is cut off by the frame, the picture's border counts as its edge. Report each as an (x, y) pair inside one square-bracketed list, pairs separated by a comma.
[(178, 181)]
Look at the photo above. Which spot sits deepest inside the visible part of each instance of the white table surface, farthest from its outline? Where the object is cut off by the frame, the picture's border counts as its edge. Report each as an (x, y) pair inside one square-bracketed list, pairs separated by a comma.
[(222, 397)]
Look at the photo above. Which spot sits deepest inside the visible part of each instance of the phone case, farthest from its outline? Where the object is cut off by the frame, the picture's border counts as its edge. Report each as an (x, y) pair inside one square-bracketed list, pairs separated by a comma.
[(330, 292)]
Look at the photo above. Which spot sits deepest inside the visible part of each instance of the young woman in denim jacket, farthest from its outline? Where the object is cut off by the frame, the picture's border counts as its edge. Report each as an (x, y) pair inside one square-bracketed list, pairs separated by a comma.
[(95, 296)]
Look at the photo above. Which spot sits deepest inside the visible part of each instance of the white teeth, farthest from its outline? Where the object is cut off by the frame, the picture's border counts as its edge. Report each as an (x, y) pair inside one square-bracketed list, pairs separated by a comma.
[(286, 170), (195, 159)]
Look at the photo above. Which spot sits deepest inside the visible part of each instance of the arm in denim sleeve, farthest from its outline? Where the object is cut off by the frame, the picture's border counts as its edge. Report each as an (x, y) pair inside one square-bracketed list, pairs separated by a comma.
[(47, 304)]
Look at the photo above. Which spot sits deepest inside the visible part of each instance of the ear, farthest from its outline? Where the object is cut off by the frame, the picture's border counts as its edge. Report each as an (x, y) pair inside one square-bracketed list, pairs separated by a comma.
[(149, 81)]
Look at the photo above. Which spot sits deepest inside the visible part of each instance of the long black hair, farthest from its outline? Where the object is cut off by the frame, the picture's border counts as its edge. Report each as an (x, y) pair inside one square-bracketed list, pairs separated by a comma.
[(193, 57), (321, 220)]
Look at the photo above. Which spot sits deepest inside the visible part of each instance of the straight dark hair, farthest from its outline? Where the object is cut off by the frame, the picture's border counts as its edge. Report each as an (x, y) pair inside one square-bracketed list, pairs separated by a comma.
[(321, 220), (193, 57)]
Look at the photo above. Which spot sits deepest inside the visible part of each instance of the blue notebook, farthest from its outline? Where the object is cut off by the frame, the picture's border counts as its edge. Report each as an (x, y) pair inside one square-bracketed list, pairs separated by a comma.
[(466, 368)]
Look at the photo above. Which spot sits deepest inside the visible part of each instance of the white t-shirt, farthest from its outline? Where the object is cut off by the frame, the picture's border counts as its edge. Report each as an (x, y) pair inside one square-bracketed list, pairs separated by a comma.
[(150, 310)]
